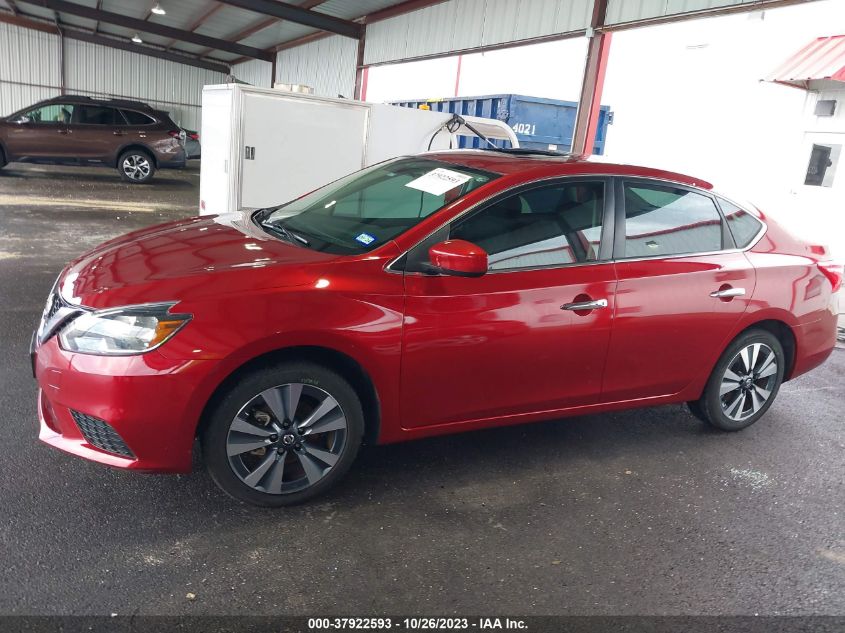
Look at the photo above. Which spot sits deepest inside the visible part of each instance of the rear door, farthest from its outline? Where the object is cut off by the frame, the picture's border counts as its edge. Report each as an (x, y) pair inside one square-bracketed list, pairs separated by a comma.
[(95, 128), (512, 341), (682, 288), (43, 133)]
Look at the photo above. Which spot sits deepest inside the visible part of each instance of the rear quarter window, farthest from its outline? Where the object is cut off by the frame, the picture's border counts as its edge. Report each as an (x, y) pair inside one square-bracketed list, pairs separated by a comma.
[(137, 118), (743, 226)]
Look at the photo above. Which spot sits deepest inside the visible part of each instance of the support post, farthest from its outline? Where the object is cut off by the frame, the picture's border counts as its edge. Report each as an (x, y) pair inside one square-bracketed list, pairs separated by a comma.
[(592, 86), (458, 76), (589, 105), (360, 69)]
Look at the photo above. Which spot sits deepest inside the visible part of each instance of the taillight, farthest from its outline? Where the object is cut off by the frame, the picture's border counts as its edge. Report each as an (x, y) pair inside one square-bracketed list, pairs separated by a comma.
[(175, 133), (834, 273), (194, 136)]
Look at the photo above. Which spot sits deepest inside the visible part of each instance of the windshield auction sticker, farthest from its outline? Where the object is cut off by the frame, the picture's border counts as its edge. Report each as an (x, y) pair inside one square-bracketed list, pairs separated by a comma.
[(438, 181)]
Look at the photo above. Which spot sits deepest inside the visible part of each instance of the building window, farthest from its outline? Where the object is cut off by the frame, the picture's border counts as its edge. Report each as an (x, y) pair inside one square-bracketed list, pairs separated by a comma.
[(822, 167)]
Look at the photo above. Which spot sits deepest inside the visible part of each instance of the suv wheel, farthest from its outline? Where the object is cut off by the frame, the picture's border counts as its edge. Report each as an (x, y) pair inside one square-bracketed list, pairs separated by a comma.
[(744, 383), (283, 435), (136, 166)]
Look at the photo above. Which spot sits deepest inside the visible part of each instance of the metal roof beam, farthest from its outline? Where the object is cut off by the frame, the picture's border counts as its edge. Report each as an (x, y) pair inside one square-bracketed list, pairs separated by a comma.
[(193, 26), (378, 16), (10, 4), (151, 27), (292, 13), (92, 38)]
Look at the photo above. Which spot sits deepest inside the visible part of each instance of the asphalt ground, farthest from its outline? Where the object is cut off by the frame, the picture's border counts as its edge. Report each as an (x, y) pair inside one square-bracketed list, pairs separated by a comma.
[(638, 512)]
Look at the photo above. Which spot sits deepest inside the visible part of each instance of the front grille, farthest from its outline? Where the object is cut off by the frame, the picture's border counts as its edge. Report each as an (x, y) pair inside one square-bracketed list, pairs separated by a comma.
[(98, 433)]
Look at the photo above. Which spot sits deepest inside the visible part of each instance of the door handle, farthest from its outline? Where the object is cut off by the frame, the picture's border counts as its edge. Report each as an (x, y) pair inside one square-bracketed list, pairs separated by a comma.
[(119, 133), (585, 305), (63, 131), (727, 293)]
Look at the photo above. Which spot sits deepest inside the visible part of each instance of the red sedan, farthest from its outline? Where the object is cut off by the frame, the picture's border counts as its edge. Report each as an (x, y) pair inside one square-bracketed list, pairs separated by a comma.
[(425, 295)]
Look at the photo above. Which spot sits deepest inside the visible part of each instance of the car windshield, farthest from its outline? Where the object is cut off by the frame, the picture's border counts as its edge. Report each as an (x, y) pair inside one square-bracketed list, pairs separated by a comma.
[(368, 208)]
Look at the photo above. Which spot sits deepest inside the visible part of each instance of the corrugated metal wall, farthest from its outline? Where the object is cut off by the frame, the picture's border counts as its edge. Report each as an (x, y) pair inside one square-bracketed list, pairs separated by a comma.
[(471, 24), (256, 72), (27, 57), (632, 10), (30, 70), (327, 65)]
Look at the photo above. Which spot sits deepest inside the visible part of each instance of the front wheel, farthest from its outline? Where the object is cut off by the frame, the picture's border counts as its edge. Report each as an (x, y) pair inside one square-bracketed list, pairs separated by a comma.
[(283, 435), (136, 166), (744, 383)]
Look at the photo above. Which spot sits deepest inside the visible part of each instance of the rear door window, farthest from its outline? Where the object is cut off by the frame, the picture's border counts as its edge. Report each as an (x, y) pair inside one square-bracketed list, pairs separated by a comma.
[(743, 226), (661, 221), (95, 115)]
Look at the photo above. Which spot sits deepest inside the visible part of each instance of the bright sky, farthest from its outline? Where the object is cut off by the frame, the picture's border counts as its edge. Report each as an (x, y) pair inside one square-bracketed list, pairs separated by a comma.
[(686, 96)]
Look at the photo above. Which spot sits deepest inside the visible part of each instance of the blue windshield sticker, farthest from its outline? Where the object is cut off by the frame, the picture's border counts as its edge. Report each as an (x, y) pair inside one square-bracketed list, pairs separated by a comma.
[(366, 239)]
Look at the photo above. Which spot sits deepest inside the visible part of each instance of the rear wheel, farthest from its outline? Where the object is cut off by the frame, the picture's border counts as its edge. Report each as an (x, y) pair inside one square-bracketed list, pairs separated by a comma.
[(283, 435), (136, 166), (744, 383), (2, 158)]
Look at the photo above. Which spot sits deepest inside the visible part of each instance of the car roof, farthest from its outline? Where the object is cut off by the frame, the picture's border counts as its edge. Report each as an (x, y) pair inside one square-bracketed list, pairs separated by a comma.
[(546, 164)]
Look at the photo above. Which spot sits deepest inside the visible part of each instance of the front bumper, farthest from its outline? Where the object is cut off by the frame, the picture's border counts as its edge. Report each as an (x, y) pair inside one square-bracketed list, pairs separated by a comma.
[(151, 402)]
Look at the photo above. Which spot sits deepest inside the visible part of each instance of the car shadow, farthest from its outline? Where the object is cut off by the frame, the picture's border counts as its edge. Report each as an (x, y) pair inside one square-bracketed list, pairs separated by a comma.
[(399, 473)]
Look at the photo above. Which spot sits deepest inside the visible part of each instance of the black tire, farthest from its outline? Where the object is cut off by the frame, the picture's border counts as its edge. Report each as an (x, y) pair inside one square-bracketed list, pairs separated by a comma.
[(244, 402), (2, 158), (743, 401), (136, 166)]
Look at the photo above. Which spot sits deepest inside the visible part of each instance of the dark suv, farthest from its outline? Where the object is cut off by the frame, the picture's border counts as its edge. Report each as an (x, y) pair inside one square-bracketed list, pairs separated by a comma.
[(74, 130)]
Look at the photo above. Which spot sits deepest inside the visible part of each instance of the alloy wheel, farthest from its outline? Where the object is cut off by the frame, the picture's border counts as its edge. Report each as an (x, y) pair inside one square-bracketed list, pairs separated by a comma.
[(748, 381), (287, 438), (136, 167)]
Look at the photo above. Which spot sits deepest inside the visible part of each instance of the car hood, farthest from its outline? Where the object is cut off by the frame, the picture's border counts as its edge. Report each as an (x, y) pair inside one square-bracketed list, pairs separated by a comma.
[(188, 259)]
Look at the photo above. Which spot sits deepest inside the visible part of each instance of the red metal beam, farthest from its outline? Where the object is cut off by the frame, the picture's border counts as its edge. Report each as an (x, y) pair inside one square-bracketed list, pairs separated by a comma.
[(592, 85), (589, 105)]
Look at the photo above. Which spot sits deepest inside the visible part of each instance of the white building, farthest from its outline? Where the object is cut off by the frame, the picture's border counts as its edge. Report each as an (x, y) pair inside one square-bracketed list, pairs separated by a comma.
[(819, 189)]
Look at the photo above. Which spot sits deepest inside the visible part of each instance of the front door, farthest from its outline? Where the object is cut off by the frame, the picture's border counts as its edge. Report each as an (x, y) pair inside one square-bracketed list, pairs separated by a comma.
[(682, 288), (42, 133), (512, 341)]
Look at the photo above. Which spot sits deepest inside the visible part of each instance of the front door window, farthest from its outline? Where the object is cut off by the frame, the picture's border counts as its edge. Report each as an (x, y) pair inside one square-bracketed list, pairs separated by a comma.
[(551, 225), (55, 113)]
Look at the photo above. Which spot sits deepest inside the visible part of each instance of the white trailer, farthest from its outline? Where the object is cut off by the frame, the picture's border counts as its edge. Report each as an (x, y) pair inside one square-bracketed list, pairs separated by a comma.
[(262, 147)]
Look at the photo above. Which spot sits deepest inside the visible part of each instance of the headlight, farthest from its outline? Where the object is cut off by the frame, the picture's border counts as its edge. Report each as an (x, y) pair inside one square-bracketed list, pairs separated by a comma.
[(122, 331)]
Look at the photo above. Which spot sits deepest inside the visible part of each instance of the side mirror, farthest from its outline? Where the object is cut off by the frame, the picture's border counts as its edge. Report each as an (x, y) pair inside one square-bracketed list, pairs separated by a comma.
[(21, 119), (458, 257)]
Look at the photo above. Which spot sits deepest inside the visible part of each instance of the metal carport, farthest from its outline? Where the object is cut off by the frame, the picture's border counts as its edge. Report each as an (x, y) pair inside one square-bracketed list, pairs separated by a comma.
[(329, 44)]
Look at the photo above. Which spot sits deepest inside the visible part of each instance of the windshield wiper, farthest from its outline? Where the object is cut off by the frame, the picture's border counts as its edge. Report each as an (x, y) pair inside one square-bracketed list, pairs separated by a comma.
[(290, 236)]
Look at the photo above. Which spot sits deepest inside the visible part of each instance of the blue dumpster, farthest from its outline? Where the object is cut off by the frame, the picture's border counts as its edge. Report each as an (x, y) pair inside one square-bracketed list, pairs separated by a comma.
[(538, 123)]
